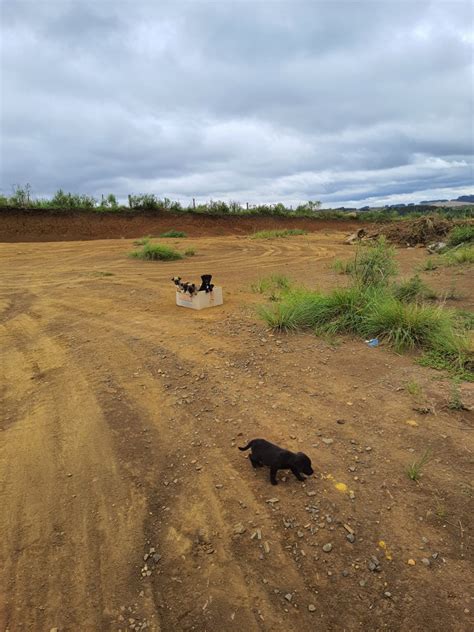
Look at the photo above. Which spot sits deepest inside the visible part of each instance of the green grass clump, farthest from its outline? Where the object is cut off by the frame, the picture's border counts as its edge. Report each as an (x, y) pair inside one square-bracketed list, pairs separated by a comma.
[(413, 290), (272, 234), (175, 234), (459, 256), (342, 267), (430, 264), (461, 235), (156, 252), (142, 241), (414, 388), (414, 470), (271, 284), (190, 252), (374, 263)]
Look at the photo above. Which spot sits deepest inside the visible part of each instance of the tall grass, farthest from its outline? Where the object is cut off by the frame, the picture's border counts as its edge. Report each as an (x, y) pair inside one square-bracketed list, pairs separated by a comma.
[(379, 309), (374, 263)]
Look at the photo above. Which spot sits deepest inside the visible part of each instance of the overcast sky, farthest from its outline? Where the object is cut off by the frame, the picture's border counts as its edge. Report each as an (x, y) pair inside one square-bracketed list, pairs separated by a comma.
[(347, 102)]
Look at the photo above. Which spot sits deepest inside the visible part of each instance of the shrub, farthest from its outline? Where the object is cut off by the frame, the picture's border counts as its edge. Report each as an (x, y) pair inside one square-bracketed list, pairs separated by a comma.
[(155, 252)]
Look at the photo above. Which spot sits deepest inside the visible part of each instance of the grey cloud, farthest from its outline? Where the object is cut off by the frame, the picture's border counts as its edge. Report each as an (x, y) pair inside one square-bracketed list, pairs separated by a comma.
[(255, 100)]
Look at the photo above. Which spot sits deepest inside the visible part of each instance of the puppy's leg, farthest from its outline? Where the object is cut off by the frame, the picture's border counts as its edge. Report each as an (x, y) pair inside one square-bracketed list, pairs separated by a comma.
[(255, 462), (273, 473), (297, 474)]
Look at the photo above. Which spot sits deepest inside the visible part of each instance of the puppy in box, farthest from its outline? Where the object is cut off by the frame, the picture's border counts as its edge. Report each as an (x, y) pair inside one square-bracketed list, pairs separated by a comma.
[(265, 453)]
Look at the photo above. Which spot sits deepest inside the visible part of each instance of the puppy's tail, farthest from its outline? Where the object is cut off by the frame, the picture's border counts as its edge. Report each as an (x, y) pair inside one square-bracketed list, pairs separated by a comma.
[(246, 447)]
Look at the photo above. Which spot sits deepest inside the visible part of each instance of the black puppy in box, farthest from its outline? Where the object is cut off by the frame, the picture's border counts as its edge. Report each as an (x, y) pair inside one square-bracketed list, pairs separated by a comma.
[(266, 453)]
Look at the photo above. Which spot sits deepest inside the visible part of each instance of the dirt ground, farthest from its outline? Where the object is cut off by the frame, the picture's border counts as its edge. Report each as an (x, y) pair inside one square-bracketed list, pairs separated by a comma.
[(121, 418)]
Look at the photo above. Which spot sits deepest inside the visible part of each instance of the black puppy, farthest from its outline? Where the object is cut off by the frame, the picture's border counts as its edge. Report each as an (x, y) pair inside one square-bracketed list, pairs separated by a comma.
[(266, 453)]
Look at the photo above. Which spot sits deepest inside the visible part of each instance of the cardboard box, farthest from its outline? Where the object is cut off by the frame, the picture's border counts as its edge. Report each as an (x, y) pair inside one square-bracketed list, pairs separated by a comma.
[(200, 300)]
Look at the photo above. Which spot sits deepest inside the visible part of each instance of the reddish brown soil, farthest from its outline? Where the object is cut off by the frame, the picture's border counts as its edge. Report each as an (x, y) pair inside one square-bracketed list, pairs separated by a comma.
[(121, 417), (35, 226)]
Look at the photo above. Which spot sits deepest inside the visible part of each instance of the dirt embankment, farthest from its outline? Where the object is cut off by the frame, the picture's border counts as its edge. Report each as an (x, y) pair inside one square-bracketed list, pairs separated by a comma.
[(43, 226)]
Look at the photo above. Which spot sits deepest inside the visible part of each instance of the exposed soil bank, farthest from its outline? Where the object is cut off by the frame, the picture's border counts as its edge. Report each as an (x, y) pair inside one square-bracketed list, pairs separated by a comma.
[(43, 226)]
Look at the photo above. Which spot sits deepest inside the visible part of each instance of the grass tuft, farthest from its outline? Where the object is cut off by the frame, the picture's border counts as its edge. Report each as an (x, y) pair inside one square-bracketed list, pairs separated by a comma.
[(175, 234), (414, 470), (156, 252), (273, 234), (413, 290)]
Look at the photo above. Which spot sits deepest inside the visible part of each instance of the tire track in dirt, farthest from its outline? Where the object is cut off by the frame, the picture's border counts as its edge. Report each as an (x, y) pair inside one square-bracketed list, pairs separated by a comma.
[(64, 490)]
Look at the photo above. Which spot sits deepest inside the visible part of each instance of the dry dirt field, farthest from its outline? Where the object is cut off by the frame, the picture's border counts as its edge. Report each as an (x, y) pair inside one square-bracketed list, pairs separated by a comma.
[(121, 417)]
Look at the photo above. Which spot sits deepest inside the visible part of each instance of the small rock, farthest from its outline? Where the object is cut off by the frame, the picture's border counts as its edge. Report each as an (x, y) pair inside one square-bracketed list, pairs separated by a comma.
[(345, 573), (368, 449), (311, 607), (288, 596), (388, 594), (351, 495), (341, 421), (362, 583), (272, 500), (54, 630), (327, 547), (156, 557), (411, 562), (311, 493), (239, 528), (350, 537), (435, 556), (327, 441), (426, 561)]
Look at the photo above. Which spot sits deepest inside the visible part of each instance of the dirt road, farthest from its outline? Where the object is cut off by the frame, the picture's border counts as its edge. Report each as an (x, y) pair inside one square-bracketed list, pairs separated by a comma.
[(121, 418)]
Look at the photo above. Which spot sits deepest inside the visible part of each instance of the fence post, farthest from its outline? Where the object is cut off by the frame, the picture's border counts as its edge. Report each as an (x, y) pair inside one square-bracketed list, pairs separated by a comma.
[(194, 203)]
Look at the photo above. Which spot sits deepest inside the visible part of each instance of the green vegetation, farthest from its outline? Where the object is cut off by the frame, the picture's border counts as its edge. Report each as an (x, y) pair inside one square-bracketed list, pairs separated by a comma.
[(414, 470), (190, 252), (62, 201), (461, 235), (458, 256), (273, 234), (271, 284), (455, 401), (142, 241), (413, 290), (372, 307), (342, 266), (414, 388), (156, 252), (173, 234)]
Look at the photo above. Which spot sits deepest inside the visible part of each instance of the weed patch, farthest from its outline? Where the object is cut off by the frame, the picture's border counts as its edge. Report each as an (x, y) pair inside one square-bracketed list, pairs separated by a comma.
[(273, 234), (174, 234), (156, 252)]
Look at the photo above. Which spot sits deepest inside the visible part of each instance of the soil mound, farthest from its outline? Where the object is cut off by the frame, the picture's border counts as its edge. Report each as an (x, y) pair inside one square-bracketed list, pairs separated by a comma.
[(423, 230)]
